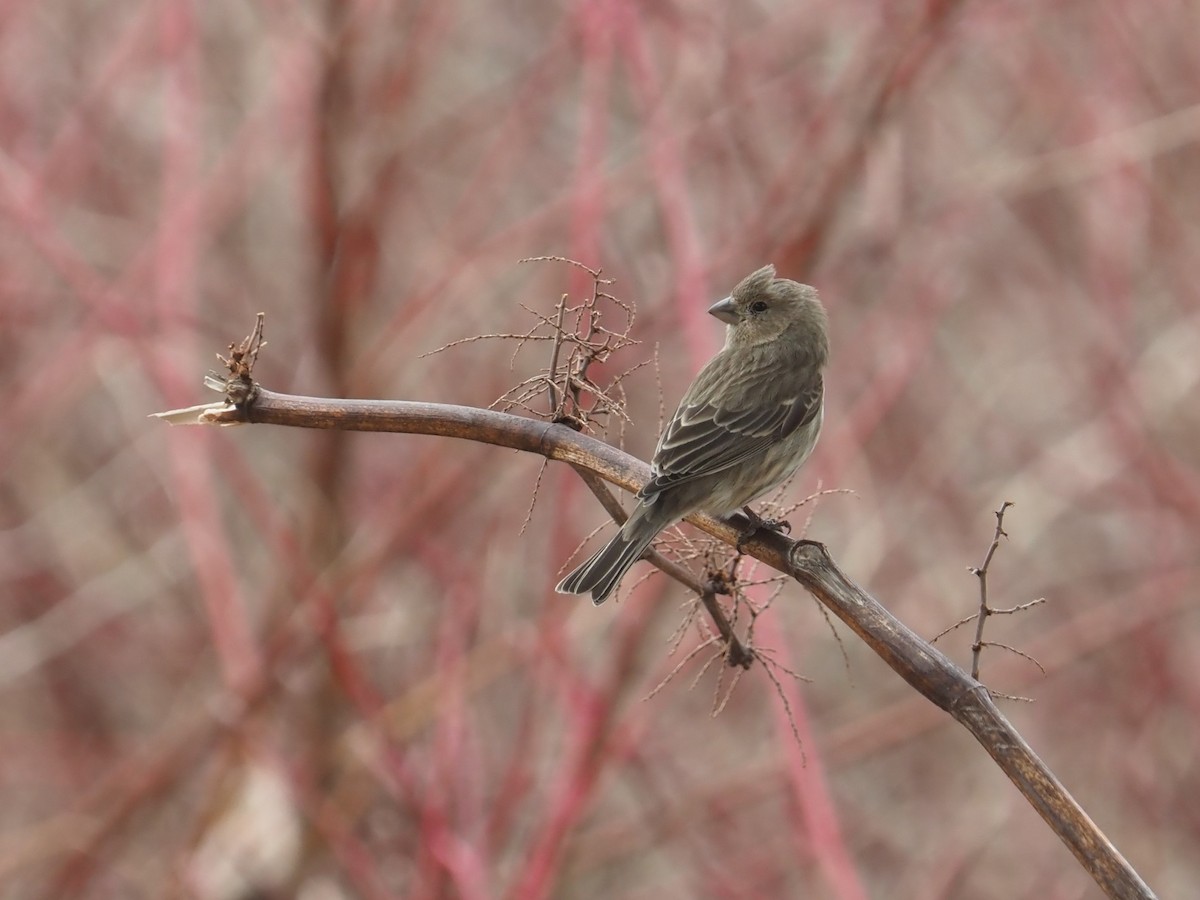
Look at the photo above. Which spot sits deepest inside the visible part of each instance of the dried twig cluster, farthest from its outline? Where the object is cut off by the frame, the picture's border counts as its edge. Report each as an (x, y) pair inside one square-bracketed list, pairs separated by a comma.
[(580, 334), (237, 383)]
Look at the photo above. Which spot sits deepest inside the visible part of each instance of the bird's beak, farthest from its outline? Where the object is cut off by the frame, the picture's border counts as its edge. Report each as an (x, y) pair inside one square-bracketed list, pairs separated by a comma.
[(725, 311)]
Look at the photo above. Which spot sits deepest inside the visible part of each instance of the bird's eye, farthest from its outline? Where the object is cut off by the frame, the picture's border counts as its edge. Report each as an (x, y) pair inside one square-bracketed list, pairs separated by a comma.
[(758, 306)]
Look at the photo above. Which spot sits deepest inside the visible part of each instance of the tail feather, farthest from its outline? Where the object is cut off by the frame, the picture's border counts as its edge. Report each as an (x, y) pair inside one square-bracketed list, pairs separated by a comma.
[(601, 574)]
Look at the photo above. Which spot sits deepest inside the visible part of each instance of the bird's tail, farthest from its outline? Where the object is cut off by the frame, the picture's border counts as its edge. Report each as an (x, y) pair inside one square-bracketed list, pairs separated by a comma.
[(603, 572)]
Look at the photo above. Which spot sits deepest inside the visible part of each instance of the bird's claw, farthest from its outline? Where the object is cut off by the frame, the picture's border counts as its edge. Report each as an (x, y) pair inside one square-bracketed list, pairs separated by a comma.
[(758, 523)]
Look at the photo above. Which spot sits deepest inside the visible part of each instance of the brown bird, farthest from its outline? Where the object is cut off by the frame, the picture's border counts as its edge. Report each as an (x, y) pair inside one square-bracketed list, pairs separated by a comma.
[(749, 420)]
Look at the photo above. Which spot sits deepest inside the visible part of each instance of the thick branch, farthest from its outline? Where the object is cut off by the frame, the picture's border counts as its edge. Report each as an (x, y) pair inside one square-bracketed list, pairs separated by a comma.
[(919, 663), (949, 687)]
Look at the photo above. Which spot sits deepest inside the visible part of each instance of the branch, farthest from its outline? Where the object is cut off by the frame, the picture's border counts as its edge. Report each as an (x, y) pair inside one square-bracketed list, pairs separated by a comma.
[(917, 662), (736, 653), (981, 572), (950, 688), (549, 439)]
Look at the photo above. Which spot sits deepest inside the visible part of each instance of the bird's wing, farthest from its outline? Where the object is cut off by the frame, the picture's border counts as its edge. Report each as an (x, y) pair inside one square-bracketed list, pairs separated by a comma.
[(703, 439)]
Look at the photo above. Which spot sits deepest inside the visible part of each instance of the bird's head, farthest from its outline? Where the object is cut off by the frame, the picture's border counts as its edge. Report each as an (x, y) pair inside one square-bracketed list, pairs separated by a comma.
[(763, 308)]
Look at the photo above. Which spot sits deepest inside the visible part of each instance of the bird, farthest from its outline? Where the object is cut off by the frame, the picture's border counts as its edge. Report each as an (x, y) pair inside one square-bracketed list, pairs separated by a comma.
[(747, 422)]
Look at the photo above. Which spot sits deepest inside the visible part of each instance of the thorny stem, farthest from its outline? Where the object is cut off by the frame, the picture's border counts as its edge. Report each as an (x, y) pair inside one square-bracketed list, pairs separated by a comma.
[(981, 573), (556, 400)]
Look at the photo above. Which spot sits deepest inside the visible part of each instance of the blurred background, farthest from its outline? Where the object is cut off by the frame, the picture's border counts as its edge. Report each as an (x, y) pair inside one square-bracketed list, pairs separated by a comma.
[(262, 662)]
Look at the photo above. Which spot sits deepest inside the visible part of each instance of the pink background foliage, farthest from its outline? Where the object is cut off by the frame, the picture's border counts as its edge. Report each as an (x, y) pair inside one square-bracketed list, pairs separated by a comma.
[(274, 663)]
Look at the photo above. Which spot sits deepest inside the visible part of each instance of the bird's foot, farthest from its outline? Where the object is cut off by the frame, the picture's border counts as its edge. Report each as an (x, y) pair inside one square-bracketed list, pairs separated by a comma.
[(756, 524)]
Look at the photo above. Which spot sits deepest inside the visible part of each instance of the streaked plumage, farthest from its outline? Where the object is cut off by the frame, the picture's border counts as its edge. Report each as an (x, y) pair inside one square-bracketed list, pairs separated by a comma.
[(751, 417)]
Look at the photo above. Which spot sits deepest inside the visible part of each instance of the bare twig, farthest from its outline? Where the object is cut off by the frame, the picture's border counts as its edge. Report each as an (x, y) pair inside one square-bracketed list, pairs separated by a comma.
[(1017, 652), (787, 709), (736, 652), (688, 657), (981, 573), (985, 610), (724, 690), (1009, 610)]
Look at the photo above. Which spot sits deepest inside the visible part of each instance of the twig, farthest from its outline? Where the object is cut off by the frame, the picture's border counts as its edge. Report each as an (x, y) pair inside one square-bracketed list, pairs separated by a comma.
[(736, 653), (980, 616), (981, 573), (688, 657), (556, 398)]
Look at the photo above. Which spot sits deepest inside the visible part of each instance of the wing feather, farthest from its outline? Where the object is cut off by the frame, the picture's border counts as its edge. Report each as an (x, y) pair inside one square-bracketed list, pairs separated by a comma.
[(703, 439)]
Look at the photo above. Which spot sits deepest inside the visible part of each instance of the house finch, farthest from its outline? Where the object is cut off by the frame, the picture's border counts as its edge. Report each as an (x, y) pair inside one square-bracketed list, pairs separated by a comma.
[(748, 421)]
